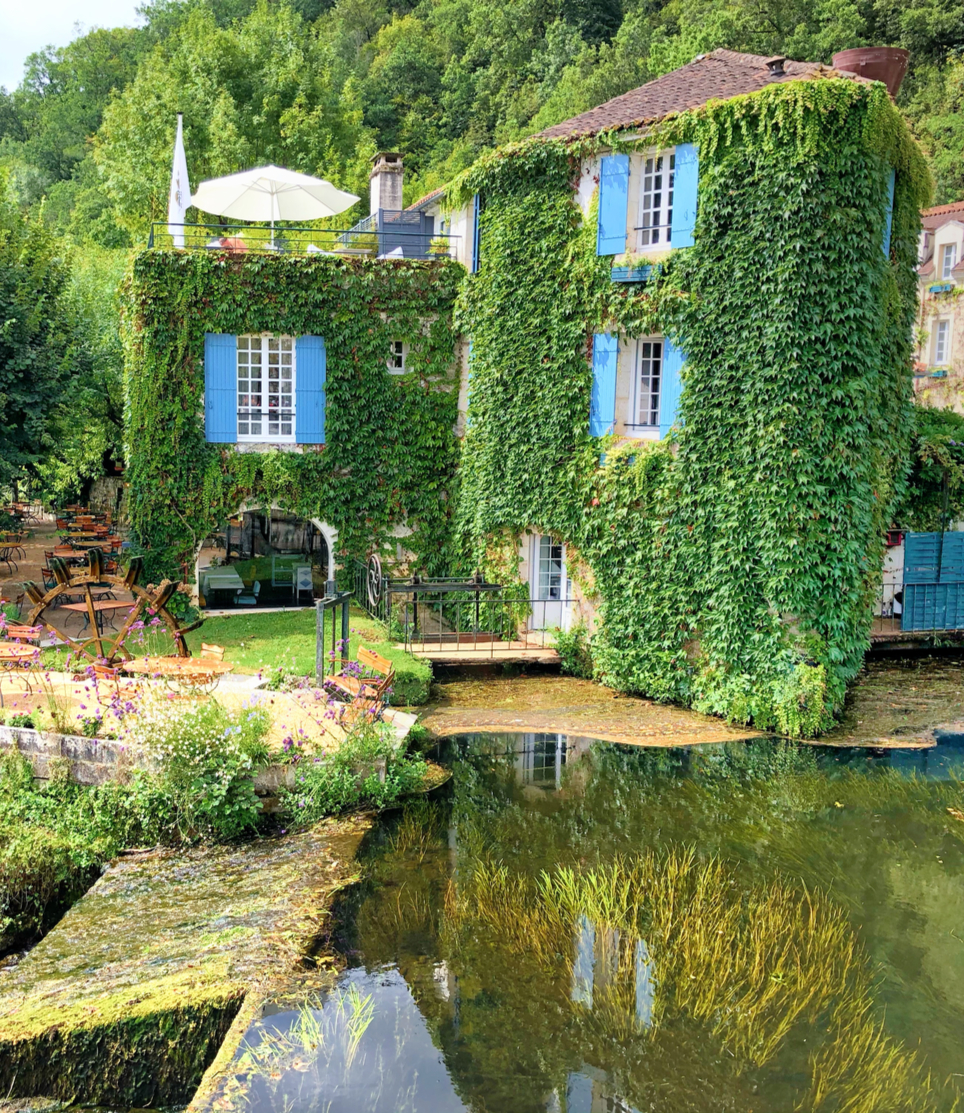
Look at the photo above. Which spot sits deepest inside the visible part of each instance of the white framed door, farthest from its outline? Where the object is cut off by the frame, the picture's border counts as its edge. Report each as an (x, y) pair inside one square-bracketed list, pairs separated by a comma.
[(550, 589)]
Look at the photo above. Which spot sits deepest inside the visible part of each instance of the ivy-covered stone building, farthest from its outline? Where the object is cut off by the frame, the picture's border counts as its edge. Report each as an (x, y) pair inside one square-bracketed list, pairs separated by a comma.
[(665, 383)]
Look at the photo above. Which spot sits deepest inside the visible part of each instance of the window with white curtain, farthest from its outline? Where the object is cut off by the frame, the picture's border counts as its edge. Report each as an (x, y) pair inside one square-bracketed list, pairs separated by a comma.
[(942, 342), (266, 388), (948, 260), (656, 199)]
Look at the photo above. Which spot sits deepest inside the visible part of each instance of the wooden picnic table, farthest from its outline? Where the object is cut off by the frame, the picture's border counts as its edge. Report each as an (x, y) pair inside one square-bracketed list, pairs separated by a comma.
[(68, 553), (157, 666)]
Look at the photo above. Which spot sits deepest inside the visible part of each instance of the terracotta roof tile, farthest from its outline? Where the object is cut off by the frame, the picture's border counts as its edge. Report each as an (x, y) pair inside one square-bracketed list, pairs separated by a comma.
[(426, 200), (940, 214), (717, 76)]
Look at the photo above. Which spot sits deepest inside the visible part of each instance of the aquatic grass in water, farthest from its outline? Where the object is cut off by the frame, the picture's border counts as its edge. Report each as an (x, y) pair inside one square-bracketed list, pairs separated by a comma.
[(743, 927), (752, 965)]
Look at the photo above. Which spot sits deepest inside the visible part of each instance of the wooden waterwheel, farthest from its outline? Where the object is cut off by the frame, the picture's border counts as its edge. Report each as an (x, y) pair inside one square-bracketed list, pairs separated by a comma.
[(80, 585)]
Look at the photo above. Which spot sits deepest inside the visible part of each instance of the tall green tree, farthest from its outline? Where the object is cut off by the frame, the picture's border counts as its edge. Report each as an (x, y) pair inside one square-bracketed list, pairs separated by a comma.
[(268, 90), (33, 335)]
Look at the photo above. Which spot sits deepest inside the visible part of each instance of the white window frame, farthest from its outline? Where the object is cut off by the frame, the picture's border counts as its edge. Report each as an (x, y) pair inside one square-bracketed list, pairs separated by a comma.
[(942, 341), (647, 383), (255, 424), (398, 358), (654, 208), (948, 260)]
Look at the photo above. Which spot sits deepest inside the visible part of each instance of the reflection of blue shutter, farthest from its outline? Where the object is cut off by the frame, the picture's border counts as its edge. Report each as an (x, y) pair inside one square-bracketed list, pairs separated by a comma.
[(310, 361), (670, 386), (602, 413), (475, 233), (889, 220), (221, 387), (685, 188), (613, 205)]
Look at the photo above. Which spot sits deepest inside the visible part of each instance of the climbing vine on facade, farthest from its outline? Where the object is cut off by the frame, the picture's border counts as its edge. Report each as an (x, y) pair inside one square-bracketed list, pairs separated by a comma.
[(735, 563), (391, 451)]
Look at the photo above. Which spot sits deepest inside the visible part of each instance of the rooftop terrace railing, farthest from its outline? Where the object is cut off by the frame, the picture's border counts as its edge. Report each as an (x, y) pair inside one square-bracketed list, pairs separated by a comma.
[(241, 238)]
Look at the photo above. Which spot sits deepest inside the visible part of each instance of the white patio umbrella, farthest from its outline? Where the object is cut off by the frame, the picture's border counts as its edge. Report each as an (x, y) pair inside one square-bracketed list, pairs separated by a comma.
[(270, 193)]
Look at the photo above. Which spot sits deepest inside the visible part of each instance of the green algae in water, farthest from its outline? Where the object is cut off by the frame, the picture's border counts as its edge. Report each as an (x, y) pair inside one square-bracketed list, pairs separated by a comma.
[(127, 1001), (584, 926)]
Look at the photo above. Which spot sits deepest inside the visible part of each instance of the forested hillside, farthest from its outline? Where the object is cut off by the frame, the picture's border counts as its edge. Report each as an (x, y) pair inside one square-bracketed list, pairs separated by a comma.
[(85, 140)]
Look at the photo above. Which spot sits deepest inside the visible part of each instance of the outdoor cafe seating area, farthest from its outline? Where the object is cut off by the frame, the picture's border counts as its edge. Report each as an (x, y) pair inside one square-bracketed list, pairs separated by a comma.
[(68, 534)]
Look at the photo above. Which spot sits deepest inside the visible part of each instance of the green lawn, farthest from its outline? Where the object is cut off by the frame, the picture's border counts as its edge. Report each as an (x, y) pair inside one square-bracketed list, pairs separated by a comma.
[(261, 642)]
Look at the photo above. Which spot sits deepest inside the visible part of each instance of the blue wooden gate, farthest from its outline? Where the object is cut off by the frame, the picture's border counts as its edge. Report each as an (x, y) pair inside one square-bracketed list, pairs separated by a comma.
[(933, 582)]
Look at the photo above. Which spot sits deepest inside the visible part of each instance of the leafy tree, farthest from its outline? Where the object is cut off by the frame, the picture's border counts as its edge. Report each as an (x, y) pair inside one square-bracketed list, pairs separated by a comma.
[(934, 496), (88, 421), (64, 92), (32, 335), (266, 91)]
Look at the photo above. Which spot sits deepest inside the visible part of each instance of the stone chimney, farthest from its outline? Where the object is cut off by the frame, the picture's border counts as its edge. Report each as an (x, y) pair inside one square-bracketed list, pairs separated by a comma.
[(386, 181), (878, 63)]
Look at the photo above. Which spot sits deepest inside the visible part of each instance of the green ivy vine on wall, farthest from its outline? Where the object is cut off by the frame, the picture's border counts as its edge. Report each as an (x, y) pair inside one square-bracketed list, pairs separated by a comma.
[(736, 564), (391, 451)]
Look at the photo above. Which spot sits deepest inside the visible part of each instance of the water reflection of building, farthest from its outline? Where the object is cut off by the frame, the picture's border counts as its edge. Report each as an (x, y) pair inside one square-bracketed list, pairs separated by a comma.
[(542, 755), (587, 1091), (596, 962)]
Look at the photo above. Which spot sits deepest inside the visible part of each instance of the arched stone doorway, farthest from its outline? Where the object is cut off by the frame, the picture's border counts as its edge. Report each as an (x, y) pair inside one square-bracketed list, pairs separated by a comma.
[(266, 556)]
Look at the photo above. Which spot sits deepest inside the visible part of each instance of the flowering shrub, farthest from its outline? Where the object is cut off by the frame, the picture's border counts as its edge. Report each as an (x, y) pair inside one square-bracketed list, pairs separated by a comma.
[(365, 770), (204, 760)]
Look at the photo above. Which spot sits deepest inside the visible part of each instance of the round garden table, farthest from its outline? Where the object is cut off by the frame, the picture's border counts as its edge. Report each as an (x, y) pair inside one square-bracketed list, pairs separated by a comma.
[(200, 674)]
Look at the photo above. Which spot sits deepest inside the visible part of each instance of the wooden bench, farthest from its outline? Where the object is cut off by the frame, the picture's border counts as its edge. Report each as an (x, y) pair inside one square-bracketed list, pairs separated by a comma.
[(15, 632), (367, 686)]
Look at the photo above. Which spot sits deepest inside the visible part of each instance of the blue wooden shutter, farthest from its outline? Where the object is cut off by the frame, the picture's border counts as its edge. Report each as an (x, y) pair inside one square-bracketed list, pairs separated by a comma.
[(602, 412), (475, 233), (221, 387), (670, 386), (310, 390), (685, 189), (889, 220), (613, 205)]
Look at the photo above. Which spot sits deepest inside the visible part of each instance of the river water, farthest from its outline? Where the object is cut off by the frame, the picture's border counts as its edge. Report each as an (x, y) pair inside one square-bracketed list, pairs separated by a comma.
[(575, 925)]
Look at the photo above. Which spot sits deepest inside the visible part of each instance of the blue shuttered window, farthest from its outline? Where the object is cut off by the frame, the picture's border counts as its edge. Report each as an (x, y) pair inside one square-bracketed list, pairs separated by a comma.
[(221, 387), (310, 362), (602, 412), (889, 220), (475, 233), (685, 190), (671, 386), (613, 205)]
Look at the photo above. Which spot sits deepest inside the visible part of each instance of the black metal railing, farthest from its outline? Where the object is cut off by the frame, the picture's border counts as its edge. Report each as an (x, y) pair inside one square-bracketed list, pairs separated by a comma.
[(455, 613), (492, 624), (398, 241)]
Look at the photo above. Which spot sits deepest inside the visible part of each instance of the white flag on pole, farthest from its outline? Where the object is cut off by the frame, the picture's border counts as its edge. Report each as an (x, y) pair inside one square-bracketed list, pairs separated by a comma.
[(180, 196)]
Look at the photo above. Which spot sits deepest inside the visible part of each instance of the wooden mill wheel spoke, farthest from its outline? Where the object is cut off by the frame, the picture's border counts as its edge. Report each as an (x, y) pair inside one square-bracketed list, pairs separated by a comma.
[(98, 647)]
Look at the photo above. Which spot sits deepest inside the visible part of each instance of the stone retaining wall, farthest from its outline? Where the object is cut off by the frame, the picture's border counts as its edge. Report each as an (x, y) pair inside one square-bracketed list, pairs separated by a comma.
[(96, 761), (87, 761)]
